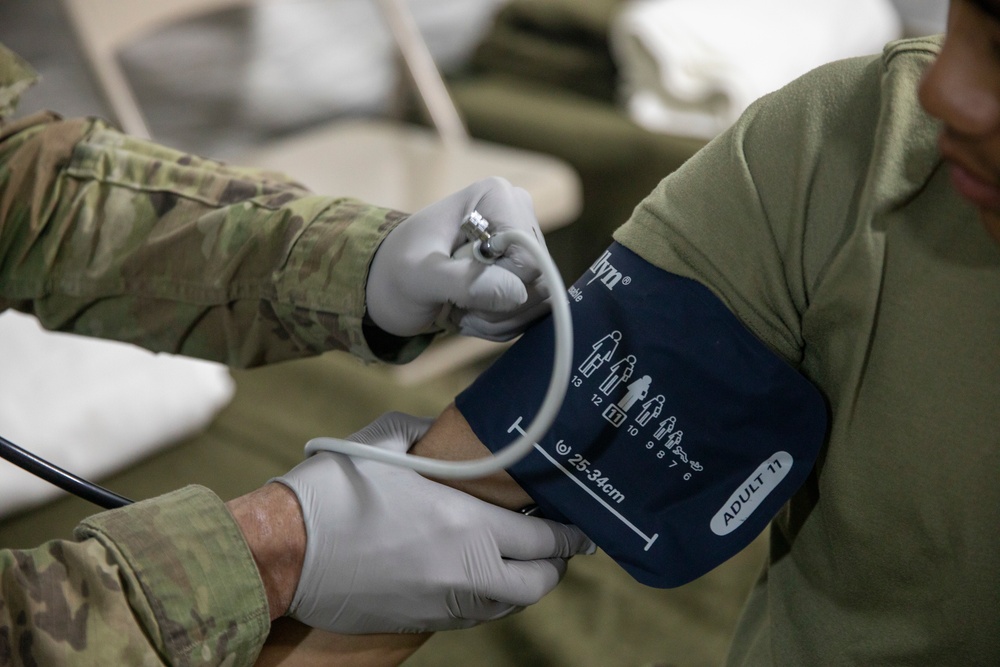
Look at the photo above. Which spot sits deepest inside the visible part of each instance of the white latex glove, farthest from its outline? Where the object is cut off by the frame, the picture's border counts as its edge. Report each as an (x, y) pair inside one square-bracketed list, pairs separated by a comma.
[(414, 274), (390, 551)]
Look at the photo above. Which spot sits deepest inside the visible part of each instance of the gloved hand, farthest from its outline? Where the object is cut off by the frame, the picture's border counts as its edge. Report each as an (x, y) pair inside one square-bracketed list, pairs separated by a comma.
[(414, 275), (388, 550)]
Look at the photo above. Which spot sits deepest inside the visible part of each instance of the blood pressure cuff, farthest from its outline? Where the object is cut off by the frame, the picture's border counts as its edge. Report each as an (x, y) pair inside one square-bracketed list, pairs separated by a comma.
[(681, 434)]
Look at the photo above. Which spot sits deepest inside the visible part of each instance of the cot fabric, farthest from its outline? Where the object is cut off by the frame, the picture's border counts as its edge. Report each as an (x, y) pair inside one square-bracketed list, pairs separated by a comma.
[(560, 44), (826, 221)]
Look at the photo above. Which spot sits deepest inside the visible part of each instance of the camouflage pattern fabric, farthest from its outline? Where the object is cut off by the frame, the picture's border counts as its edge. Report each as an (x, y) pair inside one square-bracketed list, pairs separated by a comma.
[(168, 581), (106, 235), (110, 236), (15, 77)]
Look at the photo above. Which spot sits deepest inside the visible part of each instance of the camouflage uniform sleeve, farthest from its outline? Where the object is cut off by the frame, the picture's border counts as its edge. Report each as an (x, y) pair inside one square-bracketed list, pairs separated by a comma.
[(164, 581), (106, 235)]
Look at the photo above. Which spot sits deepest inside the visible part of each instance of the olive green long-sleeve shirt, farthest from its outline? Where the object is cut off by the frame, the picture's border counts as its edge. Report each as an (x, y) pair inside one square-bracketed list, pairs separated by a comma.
[(106, 235), (826, 220)]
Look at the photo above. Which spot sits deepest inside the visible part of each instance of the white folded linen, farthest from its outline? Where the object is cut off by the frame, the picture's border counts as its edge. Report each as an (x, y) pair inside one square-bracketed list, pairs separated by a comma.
[(94, 406), (691, 67), (338, 57)]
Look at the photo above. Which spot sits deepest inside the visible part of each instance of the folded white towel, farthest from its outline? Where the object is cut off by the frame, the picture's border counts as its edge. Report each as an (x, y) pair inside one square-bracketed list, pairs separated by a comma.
[(94, 406), (691, 67), (338, 57)]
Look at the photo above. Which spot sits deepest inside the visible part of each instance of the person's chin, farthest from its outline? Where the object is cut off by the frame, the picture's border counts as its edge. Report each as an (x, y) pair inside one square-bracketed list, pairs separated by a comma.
[(984, 196)]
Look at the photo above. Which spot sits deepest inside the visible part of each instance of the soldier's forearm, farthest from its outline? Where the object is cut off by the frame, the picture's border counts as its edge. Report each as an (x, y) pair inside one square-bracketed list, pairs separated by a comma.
[(271, 521), (106, 235)]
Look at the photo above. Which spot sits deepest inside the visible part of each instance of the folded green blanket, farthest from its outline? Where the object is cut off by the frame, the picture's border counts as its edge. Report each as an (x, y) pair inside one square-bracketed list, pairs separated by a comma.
[(563, 43)]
